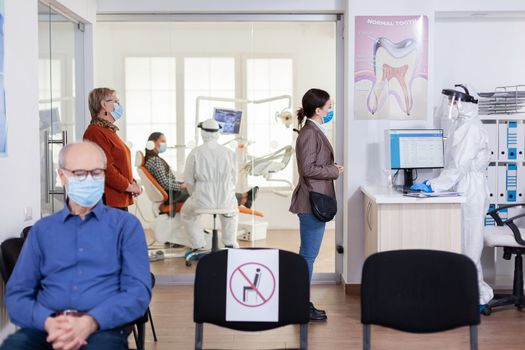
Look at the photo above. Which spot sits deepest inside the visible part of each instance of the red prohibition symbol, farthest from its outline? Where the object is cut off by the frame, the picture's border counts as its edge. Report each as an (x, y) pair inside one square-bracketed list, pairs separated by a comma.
[(253, 285)]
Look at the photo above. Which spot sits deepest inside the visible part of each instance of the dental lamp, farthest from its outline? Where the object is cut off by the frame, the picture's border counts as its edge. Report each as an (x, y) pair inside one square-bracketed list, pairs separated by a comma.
[(285, 116)]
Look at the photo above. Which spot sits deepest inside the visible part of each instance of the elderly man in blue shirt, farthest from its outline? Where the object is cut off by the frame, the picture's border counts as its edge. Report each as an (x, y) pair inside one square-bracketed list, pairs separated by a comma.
[(83, 273)]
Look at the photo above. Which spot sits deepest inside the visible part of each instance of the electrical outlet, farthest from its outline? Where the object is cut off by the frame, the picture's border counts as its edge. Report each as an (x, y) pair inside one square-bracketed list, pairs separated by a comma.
[(28, 213)]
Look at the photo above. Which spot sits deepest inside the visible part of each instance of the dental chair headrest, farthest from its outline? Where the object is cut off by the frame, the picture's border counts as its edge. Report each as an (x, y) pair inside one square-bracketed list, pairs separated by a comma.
[(139, 159)]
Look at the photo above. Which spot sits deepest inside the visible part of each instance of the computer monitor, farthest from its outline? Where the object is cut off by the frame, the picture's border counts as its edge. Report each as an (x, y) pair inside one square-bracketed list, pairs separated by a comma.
[(410, 149), (229, 119)]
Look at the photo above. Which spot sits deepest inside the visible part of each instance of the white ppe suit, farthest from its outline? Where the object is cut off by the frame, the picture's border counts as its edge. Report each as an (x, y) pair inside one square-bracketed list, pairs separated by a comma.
[(210, 175), (467, 157)]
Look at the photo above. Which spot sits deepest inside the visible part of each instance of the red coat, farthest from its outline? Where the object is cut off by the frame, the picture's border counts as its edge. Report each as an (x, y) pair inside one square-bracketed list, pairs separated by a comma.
[(118, 172)]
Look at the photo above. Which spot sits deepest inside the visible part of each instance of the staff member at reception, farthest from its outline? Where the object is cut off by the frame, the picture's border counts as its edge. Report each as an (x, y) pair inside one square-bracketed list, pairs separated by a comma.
[(317, 171), (105, 109)]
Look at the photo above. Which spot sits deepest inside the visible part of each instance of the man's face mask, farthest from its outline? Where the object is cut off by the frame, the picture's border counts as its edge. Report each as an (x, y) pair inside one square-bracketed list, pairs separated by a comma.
[(87, 192)]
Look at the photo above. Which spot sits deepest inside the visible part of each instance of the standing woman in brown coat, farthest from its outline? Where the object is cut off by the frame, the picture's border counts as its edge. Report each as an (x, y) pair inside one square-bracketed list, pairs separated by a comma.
[(317, 172)]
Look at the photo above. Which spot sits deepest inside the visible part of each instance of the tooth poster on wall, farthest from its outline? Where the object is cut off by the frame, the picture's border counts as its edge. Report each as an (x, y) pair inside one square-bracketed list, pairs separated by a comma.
[(391, 67), (3, 118)]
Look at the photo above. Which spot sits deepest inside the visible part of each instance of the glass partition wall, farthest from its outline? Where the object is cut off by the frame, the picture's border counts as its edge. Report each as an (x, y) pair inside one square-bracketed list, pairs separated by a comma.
[(172, 75), (60, 58)]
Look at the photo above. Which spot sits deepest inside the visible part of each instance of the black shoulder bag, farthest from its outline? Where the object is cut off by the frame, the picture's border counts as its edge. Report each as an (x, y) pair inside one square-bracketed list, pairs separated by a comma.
[(323, 207)]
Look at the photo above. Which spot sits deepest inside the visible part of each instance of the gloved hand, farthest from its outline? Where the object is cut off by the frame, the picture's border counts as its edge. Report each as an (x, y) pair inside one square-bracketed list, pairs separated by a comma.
[(422, 186)]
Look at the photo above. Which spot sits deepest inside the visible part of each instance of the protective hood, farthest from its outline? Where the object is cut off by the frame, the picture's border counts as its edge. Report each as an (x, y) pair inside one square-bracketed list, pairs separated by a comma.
[(209, 136), (210, 130)]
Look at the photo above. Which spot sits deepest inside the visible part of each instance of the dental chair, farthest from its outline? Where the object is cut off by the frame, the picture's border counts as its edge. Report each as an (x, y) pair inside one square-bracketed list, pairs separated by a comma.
[(269, 164), (508, 236), (166, 228)]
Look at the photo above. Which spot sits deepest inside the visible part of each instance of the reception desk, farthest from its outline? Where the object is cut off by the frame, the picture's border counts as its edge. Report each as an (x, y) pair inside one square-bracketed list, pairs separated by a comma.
[(393, 221)]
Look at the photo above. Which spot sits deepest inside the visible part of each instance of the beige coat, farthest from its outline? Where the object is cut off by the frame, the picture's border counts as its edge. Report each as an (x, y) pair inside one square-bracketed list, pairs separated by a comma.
[(315, 163)]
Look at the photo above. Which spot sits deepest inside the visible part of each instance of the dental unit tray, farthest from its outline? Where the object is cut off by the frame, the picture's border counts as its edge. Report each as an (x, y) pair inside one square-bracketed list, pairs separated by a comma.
[(503, 100)]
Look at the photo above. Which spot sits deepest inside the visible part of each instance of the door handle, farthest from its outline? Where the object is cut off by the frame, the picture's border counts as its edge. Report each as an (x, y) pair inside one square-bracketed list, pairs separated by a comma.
[(368, 210), (46, 159), (49, 176)]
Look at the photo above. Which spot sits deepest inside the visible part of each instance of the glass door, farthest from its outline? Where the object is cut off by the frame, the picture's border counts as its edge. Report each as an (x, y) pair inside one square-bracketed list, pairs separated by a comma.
[(59, 61)]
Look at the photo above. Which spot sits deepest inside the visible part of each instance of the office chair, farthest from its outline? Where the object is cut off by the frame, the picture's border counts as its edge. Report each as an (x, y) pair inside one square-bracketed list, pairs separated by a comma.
[(508, 236), (210, 296), (419, 291), (138, 326)]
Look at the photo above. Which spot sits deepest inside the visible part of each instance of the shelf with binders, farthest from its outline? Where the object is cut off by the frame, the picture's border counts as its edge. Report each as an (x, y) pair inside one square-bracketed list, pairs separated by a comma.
[(502, 117), (506, 171)]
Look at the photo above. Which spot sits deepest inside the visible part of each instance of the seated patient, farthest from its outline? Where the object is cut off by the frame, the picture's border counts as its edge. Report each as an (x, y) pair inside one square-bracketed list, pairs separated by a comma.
[(83, 273), (177, 191)]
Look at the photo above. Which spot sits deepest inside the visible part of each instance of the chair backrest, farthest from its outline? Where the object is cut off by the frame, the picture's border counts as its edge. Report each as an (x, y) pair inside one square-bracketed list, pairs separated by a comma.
[(9, 252), (25, 232), (419, 291), (153, 189), (210, 292)]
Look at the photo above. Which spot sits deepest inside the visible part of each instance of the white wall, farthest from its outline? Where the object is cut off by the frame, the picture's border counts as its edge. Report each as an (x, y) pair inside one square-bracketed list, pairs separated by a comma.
[(483, 52), (20, 170)]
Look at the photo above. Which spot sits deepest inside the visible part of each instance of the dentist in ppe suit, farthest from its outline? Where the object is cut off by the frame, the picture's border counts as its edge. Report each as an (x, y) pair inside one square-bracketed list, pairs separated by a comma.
[(467, 157), (210, 175)]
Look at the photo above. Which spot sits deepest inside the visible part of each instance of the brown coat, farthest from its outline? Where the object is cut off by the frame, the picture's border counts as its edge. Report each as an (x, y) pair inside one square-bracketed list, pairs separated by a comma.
[(315, 162), (118, 172)]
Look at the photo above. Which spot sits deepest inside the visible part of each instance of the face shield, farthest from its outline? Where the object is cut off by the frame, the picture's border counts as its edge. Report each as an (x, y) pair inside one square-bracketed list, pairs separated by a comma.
[(455, 102)]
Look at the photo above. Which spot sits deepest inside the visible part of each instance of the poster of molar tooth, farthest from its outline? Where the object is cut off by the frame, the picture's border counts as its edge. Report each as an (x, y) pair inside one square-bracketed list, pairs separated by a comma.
[(391, 67), (3, 118)]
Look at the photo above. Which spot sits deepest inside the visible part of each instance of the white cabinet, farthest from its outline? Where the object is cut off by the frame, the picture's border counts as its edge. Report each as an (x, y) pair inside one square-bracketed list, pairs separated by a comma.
[(393, 222)]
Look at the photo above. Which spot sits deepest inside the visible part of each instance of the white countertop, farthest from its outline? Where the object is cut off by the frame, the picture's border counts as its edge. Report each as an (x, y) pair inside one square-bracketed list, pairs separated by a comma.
[(383, 195)]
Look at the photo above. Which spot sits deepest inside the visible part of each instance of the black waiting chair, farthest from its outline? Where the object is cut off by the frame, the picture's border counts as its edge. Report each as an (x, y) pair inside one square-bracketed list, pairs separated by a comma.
[(507, 235), (210, 296), (419, 291), (13, 248), (9, 251)]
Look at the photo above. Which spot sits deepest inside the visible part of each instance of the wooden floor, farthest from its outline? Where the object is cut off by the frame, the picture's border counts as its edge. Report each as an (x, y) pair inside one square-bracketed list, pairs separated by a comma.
[(172, 312), (282, 239)]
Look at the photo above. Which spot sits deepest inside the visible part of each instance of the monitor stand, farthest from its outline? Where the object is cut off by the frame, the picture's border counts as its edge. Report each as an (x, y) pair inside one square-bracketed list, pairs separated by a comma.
[(408, 179)]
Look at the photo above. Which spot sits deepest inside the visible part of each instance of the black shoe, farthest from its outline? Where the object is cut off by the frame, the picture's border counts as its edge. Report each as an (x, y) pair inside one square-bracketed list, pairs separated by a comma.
[(317, 316), (312, 307), (250, 197)]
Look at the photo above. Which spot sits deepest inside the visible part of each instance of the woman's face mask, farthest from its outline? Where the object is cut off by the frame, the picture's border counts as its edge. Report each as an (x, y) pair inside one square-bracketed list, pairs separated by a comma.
[(329, 116), (117, 111), (163, 147)]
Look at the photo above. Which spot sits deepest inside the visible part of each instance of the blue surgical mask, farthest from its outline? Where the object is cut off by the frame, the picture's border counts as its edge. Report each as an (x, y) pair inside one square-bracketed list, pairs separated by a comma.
[(85, 193), (329, 116), (117, 111), (163, 147)]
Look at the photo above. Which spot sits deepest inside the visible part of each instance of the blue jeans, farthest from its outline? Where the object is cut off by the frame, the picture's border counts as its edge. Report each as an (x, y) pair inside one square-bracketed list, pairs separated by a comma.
[(312, 231), (34, 339)]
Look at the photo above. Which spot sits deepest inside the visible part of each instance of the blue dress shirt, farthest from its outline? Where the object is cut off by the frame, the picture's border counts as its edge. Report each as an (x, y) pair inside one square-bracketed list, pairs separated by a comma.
[(98, 265)]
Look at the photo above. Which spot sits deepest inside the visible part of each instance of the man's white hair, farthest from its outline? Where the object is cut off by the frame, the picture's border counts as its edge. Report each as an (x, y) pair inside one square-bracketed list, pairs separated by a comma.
[(63, 153)]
